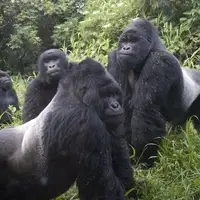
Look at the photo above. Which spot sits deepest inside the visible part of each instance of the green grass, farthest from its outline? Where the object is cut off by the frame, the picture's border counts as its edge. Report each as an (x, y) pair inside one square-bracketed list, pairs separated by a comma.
[(177, 173)]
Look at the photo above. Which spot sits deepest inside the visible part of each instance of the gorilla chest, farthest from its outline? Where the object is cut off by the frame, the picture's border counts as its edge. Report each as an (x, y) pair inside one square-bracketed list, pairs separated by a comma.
[(48, 93)]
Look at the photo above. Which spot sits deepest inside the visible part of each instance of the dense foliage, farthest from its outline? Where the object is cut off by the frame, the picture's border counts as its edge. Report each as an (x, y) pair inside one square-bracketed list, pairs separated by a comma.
[(28, 27), (91, 27)]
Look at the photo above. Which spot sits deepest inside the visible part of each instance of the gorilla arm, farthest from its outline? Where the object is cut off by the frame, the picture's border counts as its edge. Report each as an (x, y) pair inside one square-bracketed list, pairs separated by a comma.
[(96, 167), (161, 70), (115, 69), (33, 100), (5, 114), (11, 98), (120, 159), (157, 77)]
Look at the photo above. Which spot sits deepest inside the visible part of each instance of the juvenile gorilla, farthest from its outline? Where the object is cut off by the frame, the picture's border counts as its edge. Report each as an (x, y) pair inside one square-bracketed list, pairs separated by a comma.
[(156, 88), (77, 137), (51, 65), (8, 97)]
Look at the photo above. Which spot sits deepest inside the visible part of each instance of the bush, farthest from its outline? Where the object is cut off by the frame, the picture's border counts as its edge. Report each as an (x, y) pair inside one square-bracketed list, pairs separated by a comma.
[(29, 27), (98, 33)]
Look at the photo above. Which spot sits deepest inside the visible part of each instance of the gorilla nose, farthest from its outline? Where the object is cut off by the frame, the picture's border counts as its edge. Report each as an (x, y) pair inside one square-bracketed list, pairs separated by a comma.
[(114, 105), (51, 66), (126, 48)]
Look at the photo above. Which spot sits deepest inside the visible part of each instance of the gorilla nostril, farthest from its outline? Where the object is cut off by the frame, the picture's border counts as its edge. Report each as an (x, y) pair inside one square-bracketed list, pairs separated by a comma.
[(51, 66), (126, 48), (114, 105)]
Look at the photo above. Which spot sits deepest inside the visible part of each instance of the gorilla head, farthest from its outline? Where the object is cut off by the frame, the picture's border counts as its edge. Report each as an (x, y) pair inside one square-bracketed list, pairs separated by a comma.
[(99, 89), (51, 64), (5, 81), (135, 43)]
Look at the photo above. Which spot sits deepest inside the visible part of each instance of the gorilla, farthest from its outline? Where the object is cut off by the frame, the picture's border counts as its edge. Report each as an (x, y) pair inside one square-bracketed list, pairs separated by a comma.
[(79, 136), (8, 97), (156, 88), (51, 65)]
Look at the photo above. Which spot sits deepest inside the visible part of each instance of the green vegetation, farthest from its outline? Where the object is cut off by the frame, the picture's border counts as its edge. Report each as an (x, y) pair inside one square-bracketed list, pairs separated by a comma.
[(91, 28)]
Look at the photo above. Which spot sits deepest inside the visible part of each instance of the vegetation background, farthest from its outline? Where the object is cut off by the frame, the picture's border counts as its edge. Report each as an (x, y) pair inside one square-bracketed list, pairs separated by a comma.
[(91, 28)]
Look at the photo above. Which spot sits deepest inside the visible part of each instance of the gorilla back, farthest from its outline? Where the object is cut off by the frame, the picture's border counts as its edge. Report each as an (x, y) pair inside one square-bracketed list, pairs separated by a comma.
[(78, 136)]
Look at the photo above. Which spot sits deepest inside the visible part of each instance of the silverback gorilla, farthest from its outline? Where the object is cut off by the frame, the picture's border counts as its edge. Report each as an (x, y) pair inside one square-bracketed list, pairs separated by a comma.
[(8, 97), (51, 65), (77, 137), (156, 89)]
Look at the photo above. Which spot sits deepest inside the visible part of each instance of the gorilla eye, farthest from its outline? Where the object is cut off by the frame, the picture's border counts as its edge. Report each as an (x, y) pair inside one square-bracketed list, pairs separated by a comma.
[(134, 38), (117, 97), (54, 58), (149, 39), (83, 90), (124, 39), (129, 36), (47, 60), (113, 94), (103, 94)]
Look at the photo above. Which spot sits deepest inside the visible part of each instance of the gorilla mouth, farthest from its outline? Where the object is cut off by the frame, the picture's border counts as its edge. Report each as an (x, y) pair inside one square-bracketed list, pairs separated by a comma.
[(113, 113), (121, 112), (54, 73), (109, 116), (126, 54)]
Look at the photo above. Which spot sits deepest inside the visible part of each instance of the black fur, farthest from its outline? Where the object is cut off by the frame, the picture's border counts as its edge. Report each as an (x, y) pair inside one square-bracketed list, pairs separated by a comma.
[(78, 137), (154, 85), (42, 89), (8, 97)]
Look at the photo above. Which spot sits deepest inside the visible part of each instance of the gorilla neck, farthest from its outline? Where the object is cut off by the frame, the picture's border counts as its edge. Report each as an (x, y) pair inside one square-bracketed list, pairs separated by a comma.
[(127, 78), (51, 82), (158, 45), (66, 94), (132, 78)]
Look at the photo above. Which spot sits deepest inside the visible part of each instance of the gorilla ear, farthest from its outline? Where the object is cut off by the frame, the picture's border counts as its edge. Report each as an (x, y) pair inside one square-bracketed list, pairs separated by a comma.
[(90, 96)]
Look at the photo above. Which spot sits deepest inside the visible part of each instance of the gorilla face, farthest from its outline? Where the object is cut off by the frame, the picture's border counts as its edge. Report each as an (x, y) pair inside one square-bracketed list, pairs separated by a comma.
[(5, 81), (112, 100), (52, 64), (101, 91), (134, 45), (113, 111)]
